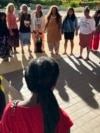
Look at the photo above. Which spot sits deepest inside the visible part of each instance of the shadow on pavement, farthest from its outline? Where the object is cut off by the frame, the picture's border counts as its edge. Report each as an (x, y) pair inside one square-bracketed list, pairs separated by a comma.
[(76, 76)]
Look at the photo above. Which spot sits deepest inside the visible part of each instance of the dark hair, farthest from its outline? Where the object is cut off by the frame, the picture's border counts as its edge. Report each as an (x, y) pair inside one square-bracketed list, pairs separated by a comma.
[(41, 14), (41, 76), (72, 16), (86, 9), (1, 15), (58, 16), (97, 19)]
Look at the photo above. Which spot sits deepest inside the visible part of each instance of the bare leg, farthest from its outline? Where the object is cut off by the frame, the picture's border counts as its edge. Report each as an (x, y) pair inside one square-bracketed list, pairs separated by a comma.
[(72, 46), (42, 41), (65, 46), (51, 46), (22, 48), (88, 52), (81, 51), (56, 47), (29, 50), (34, 41)]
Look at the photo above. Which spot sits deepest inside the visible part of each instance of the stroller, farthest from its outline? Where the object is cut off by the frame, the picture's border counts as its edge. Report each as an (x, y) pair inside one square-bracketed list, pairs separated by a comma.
[(4, 48)]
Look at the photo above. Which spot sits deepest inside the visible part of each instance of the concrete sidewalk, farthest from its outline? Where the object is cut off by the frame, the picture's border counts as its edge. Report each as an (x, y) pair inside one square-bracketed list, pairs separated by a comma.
[(77, 90)]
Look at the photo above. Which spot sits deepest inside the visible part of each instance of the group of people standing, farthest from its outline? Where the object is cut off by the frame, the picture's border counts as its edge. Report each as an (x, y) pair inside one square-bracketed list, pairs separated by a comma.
[(36, 24)]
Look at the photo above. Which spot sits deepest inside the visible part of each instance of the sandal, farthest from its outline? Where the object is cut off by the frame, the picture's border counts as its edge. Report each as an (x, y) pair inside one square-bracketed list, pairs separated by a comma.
[(80, 57), (87, 59)]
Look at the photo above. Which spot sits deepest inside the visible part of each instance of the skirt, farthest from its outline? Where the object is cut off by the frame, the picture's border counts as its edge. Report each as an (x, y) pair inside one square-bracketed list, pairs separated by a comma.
[(14, 39), (85, 40), (69, 35), (25, 38)]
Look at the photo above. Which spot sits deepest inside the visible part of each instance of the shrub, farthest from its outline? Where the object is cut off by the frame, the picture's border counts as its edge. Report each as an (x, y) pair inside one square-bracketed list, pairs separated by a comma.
[(74, 4), (92, 4)]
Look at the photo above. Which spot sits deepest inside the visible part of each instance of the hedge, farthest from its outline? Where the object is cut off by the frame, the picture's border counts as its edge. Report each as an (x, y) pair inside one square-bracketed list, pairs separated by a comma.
[(92, 4)]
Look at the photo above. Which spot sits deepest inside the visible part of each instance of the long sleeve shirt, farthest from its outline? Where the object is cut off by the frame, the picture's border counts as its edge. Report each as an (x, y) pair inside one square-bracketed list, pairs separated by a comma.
[(69, 25)]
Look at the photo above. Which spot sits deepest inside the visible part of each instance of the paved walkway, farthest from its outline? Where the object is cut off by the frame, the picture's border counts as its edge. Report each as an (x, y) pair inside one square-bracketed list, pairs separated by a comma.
[(77, 90)]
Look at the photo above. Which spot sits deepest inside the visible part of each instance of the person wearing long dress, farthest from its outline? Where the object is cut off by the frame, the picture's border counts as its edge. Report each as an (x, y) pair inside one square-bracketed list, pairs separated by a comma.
[(53, 28), (13, 27)]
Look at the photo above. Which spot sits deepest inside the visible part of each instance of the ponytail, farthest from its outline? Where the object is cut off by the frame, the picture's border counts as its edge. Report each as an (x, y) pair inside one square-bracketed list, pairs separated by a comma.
[(41, 76), (50, 110)]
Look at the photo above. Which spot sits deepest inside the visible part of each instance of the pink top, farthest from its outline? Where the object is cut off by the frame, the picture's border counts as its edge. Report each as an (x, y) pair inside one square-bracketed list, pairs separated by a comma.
[(11, 21), (30, 120)]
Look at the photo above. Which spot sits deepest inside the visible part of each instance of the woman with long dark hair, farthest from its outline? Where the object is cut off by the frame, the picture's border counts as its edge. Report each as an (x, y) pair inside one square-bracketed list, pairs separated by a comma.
[(40, 113), (69, 27), (53, 27)]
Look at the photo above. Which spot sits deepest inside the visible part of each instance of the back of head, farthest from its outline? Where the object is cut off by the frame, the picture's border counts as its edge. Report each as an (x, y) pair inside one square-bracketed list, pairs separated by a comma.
[(41, 76), (2, 18)]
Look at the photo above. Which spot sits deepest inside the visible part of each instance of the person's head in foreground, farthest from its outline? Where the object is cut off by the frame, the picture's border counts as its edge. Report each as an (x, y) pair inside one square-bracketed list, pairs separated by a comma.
[(41, 76), (40, 113)]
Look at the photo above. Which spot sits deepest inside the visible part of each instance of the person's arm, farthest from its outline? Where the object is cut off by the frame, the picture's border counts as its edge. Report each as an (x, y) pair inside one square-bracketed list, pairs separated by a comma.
[(19, 17), (97, 29), (92, 25), (9, 24), (76, 27), (62, 27), (46, 24), (32, 22), (43, 23)]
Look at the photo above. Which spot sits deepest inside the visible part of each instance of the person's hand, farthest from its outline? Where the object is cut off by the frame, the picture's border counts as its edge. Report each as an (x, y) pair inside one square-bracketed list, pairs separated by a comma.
[(45, 30), (62, 32), (11, 33), (94, 35)]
